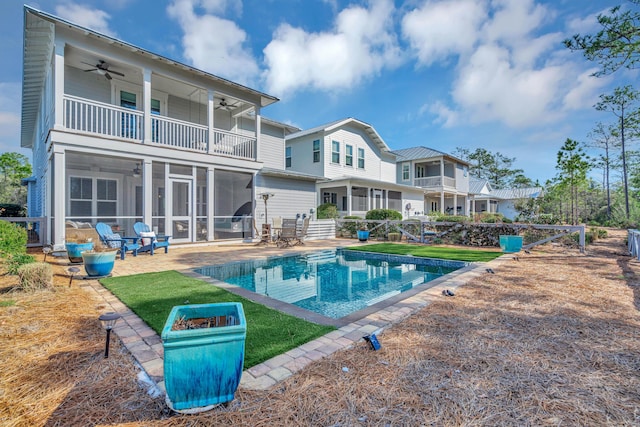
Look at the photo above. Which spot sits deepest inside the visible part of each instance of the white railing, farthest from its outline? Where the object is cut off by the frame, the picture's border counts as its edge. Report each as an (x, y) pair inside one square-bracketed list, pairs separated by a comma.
[(105, 119), (179, 134), (435, 181), (233, 144)]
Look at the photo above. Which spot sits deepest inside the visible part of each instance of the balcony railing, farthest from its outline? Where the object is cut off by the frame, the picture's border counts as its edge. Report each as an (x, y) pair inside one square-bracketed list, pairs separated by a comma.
[(112, 121), (435, 181)]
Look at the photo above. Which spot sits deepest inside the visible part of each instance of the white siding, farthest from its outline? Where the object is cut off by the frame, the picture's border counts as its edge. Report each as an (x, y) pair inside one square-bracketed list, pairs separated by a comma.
[(302, 155), (416, 199), (462, 181), (291, 197), (86, 85), (373, 166), (189, 111)]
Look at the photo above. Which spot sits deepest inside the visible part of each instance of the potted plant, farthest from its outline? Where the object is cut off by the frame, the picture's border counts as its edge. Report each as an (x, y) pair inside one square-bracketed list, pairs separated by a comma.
[(76, 244), (363, 233), (203, 355), (99, 261)]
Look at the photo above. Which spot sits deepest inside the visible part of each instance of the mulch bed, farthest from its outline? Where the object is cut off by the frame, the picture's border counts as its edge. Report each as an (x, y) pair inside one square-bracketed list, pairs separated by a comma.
[(550, 339)]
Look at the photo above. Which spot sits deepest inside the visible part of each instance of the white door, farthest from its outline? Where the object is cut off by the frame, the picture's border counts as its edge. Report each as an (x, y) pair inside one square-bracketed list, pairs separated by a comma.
[(180, 215)]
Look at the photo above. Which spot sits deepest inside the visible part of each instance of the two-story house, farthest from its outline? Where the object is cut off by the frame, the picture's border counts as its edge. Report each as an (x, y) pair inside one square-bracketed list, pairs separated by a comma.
[(120, 134), (443, 178), (357, 166)]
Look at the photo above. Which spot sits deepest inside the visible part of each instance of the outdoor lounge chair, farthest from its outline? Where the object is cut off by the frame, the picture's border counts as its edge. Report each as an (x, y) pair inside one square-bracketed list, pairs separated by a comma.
[(114, 240), (149, 238), (301, 233), (287, 235)]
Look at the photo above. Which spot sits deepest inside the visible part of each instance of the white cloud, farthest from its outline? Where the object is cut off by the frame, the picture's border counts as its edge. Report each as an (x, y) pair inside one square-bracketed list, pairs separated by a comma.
[(361, 44), (586, 90), (444, 115), (440, 29), (508, 69), (212, 43), (88, 17)]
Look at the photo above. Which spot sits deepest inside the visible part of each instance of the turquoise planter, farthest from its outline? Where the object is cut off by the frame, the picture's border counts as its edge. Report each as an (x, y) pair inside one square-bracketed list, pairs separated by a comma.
[(75, 250), (98, 264), (363, 235), (203, 366), (510, 244)]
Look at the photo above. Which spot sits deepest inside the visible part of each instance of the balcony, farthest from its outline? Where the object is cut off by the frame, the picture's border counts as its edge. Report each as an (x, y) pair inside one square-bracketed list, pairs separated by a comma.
[(435, 182), (112, 121)]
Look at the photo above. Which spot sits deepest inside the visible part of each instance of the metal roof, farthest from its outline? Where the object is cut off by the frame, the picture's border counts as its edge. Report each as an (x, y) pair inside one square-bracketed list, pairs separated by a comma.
[(476, 185), (517, 193), (371, 182), (289, 174), (369, 130), (419, 153), (39, 34)]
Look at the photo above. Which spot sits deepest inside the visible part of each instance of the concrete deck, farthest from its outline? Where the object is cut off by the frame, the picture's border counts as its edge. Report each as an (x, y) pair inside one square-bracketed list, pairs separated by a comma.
[(146, 346)]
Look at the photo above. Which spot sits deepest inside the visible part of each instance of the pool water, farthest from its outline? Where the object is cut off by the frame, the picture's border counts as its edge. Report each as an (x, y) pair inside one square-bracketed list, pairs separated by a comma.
[(332, 283)]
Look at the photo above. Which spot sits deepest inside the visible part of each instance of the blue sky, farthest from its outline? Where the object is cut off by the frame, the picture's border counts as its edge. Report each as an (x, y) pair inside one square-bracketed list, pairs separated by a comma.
[(438, 73)]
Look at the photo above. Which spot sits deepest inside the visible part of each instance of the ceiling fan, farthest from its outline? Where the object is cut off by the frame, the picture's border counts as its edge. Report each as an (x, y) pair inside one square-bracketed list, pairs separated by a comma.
[(224, 104), (102, 68)]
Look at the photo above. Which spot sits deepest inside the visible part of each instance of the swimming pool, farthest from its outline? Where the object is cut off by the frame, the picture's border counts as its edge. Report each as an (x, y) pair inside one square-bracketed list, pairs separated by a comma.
[(333, 283)]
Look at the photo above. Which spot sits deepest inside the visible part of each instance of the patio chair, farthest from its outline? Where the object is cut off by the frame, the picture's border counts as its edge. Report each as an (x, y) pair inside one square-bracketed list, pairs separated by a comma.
[(149, 238), (287, 235), (114, 240), (301, 233)]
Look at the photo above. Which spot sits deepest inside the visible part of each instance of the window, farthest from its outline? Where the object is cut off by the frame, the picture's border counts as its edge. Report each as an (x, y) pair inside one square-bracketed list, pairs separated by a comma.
[(80, 196), (348, 155), (316, 151), (335, 152), (420, 172), (330, 198), (287, 157), (361, 158), (405, 171), (93, 197)]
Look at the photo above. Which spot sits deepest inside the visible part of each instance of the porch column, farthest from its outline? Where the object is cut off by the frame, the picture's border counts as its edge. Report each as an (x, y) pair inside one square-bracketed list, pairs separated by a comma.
[(58, 86), (441, 202), (369, 194), (472, 203), (60, 197), (210, 122), (147, 193), (210, 203), (455, 204), (349, 203), (258, 132), (146, 105)]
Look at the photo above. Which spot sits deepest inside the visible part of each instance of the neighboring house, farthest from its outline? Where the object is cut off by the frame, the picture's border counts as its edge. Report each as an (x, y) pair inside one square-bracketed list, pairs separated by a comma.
[(358, 168), (443, 178), (120, 134), (485, 199)]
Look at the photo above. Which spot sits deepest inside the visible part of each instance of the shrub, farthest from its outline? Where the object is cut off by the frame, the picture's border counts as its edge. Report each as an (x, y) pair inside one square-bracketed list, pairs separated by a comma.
[(382, 214), (36, 275), (15, 261), (13, 239), (327, 211), (490, 217)]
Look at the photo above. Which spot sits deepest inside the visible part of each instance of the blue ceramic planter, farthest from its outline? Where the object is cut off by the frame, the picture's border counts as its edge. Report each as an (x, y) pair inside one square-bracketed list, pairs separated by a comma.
[(510, 244), (75, 250), (363, 235), (203, 366), (99, 263)]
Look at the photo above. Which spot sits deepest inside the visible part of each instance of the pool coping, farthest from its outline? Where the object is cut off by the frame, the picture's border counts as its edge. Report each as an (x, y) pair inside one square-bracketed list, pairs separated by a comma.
[(146, 346)]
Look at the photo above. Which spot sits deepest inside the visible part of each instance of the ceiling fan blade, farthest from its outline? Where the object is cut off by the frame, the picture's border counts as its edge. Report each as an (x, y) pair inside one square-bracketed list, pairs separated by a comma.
[(117, 73), (108, 76), (92, 69)]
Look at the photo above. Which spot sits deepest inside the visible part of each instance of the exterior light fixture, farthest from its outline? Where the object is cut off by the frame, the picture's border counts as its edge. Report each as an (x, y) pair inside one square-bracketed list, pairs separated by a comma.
[(108, 321), (136, 171)]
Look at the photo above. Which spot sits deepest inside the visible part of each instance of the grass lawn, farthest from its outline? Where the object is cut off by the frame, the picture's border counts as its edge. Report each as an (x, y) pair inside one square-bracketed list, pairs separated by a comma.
[(469, 255), (269, 332)]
